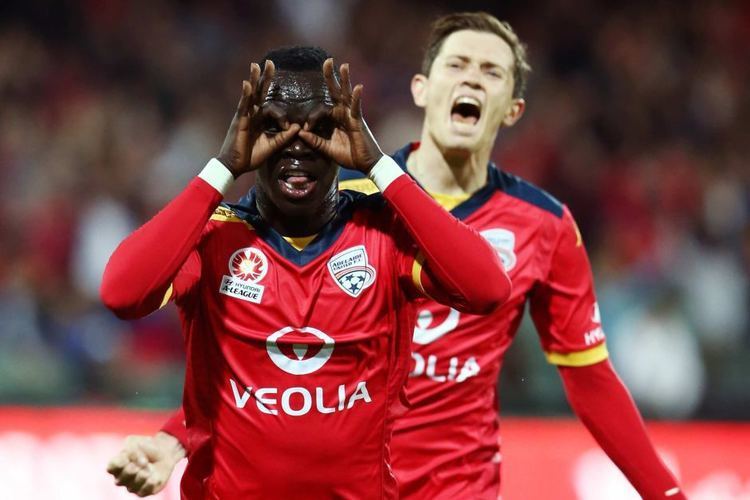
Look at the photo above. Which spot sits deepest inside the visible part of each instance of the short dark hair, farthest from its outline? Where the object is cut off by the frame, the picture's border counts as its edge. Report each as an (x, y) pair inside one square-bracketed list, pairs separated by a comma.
[(296, 58), (478, 21)]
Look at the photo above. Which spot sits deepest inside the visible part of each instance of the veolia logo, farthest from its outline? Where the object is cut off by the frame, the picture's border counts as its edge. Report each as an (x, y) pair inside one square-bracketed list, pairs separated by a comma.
[(299, 361)]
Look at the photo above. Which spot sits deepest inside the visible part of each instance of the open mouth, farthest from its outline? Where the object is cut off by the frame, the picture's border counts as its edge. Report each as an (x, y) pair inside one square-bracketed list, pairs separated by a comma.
[(467, 110), (297, 183)]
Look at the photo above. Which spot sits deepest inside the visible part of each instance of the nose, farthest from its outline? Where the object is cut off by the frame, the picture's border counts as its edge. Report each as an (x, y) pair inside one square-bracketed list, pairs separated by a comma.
[(472, 77), (298, 150)]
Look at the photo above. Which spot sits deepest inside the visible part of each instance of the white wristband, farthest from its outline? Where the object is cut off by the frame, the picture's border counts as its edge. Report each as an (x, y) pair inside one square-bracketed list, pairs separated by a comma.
[(385, 171), (217, 175)]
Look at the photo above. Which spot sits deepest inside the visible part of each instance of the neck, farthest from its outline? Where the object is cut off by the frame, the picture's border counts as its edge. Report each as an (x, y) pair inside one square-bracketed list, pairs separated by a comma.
[(302, 221), (448, 172)]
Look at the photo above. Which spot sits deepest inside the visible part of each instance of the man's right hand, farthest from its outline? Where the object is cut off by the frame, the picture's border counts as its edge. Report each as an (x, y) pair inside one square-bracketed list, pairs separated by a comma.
[(145, 463), (246, 145)]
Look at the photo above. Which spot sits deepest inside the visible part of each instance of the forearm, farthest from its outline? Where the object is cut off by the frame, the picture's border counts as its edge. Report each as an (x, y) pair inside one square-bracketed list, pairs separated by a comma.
[(142, 267), (462, 263), (605, 407)]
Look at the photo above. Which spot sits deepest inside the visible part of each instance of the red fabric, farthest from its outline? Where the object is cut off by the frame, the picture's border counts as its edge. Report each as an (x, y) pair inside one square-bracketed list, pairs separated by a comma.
[(605, 407), (447, 441), (460, 263), (175, 426), (143, 266), (287, 361)]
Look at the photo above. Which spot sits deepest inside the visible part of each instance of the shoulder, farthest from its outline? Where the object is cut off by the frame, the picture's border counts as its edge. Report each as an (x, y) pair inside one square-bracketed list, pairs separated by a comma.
[(523, 190), (229, 213), (355, 201), (225, 213)]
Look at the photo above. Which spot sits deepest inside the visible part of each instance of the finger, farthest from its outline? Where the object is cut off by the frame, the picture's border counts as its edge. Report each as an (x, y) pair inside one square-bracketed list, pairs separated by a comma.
[(268, 73), (137, 456), (330, 78), (140, 479), (254, 78), (315, 141), (279, 140), (151, 486), (129, 472), (346, 85), (245, 99), (357, 101), (117, 463)]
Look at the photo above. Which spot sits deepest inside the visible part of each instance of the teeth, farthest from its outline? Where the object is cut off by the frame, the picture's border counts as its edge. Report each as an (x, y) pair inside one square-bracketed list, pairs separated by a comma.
[(287, 175), (464, 99)]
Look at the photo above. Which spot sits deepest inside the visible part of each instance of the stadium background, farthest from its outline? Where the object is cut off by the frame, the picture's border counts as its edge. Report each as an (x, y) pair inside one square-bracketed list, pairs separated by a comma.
[(637, 117)]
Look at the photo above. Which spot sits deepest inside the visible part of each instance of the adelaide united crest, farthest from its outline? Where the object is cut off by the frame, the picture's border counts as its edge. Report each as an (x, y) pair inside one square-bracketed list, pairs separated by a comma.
[(351, 271)]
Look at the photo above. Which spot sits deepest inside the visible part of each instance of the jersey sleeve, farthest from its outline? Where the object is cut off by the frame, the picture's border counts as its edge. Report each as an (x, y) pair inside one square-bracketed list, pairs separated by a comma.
[(138, 277), (563, 303), (459, 269)]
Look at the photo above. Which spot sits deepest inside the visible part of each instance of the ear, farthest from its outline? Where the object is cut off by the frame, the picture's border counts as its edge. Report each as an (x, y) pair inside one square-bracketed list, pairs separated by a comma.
[(419, 90), (514, 113)]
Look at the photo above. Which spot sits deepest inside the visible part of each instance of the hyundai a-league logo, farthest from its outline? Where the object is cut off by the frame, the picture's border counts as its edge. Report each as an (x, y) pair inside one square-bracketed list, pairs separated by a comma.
[(304, 351), (351, 271), (247, 266)]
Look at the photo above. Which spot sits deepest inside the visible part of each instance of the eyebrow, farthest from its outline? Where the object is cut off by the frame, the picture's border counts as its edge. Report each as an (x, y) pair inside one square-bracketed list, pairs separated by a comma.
[(484, 63)]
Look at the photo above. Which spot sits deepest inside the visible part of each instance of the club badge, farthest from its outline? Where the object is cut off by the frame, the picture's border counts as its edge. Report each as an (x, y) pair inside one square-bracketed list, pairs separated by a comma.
[(351, 271)]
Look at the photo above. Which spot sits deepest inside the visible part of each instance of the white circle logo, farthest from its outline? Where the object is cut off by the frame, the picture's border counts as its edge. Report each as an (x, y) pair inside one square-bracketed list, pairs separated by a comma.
[(504, 242), (248, 264), (301, 365)]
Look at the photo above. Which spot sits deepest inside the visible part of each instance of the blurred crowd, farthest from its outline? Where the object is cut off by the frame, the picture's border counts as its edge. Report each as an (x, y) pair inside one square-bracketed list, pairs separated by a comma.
[(637, 118)]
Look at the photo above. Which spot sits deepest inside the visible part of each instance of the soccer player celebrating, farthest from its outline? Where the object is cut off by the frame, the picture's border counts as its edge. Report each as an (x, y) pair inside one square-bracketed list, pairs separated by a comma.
[(446, 445), (298, 305)]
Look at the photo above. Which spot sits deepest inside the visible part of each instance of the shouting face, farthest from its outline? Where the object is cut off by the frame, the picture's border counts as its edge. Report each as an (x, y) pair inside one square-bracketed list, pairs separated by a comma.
[(468, 94)]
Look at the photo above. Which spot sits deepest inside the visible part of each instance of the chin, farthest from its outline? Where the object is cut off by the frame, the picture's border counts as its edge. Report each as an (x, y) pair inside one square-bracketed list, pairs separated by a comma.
[(460, 145)]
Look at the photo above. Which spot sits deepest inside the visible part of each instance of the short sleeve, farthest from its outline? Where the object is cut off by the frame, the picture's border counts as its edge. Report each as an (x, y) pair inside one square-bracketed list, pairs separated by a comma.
[(563, 303)]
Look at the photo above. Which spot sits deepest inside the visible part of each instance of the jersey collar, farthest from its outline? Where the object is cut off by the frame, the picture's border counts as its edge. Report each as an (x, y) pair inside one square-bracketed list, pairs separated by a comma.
[(464, 209), (247, 210)]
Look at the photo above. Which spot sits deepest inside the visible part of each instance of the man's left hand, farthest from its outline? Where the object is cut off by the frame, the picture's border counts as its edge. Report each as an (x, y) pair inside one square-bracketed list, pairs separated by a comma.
[(352, 144)]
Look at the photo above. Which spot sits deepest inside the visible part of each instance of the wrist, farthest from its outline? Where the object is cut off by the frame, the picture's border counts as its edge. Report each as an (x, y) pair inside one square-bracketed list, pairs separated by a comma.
[(228, 165), (217, 175), (171, 445), (384, 172)]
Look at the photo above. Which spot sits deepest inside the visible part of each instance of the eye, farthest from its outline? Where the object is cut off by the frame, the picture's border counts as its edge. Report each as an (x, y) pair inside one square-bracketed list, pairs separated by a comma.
[(324, 127), (494, 72), (271, 126), (454, 64)]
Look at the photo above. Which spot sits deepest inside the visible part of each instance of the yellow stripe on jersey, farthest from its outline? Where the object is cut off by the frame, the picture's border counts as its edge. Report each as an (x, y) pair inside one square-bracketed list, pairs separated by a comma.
[(167, 296), (450, 201), (222, 214), (579, 358), (299, 242), (416, 274), (364, 186)]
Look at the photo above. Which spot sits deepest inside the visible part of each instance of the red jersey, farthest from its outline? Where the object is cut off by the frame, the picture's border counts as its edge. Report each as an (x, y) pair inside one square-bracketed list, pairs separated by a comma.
[(293, 347), (297, 359), (446, 445)]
